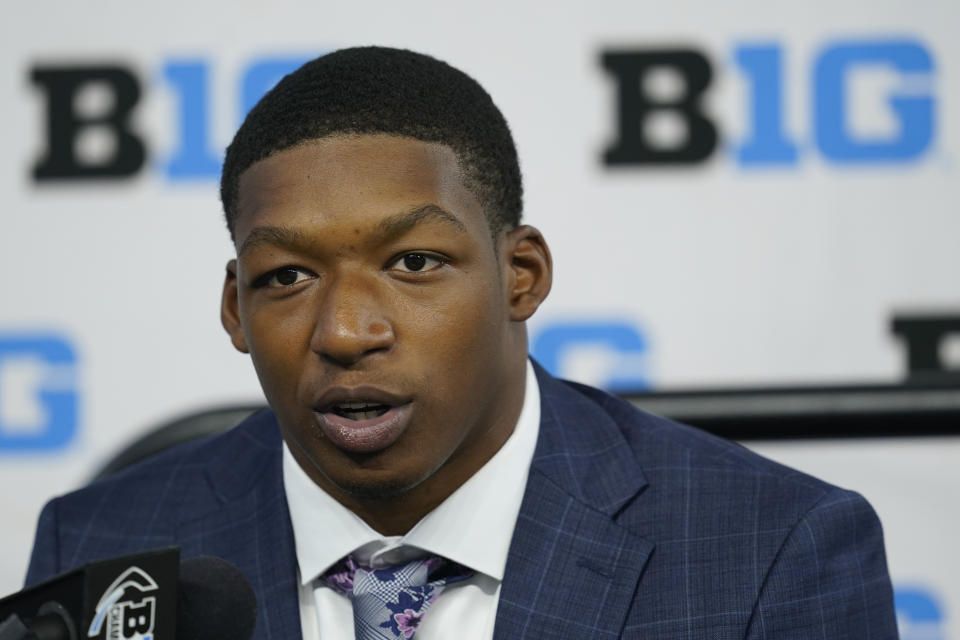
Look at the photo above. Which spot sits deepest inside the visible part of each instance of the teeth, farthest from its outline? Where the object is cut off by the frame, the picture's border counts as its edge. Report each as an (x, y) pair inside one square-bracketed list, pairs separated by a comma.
[(360, 410), (354, 406)]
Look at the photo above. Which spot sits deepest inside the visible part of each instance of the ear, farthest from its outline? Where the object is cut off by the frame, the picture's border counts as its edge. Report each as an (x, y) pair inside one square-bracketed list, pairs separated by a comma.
[(230, 308), (530, 266)]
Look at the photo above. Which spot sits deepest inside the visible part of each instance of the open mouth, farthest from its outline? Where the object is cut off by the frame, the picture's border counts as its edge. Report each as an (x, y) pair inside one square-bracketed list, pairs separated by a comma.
[(362, 419), (360, 410)]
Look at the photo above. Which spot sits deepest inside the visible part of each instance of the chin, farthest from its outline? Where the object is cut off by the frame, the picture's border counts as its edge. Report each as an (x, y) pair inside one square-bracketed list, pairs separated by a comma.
[(376, 489)]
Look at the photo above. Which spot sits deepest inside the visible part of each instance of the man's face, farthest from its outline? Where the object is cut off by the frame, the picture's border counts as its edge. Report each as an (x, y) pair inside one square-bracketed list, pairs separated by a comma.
[(384, 321)]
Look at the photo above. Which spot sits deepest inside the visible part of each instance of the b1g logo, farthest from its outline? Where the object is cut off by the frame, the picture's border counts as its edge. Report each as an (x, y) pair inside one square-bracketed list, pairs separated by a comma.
[(97, 103), (606, 352), (835, 71), (920, 614), (126, 610), (38, 392)]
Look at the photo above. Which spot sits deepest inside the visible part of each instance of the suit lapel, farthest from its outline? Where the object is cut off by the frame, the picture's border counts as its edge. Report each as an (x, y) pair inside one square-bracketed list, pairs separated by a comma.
[(572, 571), (251, 528)]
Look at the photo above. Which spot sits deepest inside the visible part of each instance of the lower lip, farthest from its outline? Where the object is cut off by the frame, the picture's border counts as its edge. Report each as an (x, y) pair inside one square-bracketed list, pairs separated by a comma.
[(365, 436)]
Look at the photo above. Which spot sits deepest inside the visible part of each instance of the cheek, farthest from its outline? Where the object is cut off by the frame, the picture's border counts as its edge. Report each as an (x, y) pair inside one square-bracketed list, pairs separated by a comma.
[(277, 339), (453, 334)]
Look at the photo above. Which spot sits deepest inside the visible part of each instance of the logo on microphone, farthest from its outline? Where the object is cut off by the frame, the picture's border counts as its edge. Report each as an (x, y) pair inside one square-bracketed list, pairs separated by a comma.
[(126, 610)]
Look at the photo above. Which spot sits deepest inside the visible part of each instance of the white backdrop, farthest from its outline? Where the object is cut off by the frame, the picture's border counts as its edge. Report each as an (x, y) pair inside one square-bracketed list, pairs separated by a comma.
[(721, 272)]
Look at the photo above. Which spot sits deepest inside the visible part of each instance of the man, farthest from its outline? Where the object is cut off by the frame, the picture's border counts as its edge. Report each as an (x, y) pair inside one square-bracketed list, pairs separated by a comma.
[(381, 285)]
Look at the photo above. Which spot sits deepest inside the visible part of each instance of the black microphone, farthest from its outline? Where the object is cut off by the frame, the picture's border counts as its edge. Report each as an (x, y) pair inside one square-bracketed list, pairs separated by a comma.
[(120, 598), (52, 622), (136, 597), (214, 600)]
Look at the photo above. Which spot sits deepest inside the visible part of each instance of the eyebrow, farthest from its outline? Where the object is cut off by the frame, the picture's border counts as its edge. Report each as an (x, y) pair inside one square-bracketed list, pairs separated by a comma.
[(390, 227), (272, 235), (400, 223)]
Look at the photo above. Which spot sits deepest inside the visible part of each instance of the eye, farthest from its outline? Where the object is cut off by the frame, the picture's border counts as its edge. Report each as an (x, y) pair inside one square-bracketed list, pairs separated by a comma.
[(283, 277), (417, 262)]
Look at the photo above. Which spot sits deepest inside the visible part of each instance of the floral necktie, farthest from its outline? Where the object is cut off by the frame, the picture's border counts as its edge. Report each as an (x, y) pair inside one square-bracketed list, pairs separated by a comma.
[(390, 603)]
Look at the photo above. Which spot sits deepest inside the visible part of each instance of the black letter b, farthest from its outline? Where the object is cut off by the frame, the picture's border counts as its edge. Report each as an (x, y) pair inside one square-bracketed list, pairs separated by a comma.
[(64, 124), (634, 106)]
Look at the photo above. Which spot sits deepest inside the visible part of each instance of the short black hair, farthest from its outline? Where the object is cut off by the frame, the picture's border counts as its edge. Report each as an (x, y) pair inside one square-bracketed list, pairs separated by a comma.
[(382, 90)]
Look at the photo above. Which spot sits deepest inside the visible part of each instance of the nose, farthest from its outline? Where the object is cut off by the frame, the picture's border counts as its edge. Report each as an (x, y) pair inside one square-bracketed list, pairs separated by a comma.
[(351, 323)]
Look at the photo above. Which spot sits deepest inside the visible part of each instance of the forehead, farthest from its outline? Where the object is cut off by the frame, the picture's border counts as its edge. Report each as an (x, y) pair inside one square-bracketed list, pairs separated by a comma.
[(353, 178)]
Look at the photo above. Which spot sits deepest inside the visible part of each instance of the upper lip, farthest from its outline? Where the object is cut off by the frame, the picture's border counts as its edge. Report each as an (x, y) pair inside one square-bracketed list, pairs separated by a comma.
[(333, 396)]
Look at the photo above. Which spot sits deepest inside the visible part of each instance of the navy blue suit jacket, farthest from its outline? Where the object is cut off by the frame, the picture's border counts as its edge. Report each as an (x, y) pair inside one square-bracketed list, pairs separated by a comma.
[(631, 526)]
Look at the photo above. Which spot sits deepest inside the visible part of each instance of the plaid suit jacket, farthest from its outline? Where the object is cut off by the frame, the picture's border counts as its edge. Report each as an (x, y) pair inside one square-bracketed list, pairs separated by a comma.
[(631, 526)]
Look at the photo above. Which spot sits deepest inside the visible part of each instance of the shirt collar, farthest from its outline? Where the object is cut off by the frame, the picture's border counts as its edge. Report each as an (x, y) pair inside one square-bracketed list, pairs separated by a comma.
[(472, 527)]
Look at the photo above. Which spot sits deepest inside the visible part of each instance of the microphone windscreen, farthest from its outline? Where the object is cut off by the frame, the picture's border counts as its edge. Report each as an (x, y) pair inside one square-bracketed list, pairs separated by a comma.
[(214, 600)]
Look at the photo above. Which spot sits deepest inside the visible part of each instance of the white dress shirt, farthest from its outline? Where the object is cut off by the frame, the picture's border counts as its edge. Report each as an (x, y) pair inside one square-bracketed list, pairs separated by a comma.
[(472, 527)]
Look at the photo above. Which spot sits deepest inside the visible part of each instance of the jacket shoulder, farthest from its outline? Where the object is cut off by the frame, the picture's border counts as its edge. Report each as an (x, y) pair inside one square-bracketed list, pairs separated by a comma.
[(744, 544), (666, 448), (142, 507)]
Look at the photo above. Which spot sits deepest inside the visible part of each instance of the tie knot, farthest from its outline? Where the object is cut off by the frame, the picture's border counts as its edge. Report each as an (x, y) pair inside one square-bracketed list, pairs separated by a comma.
[(390, 602)]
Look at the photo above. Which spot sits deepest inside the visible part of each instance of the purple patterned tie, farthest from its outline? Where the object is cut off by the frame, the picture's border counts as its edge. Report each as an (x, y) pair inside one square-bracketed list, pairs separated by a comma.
[(390, 603)]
